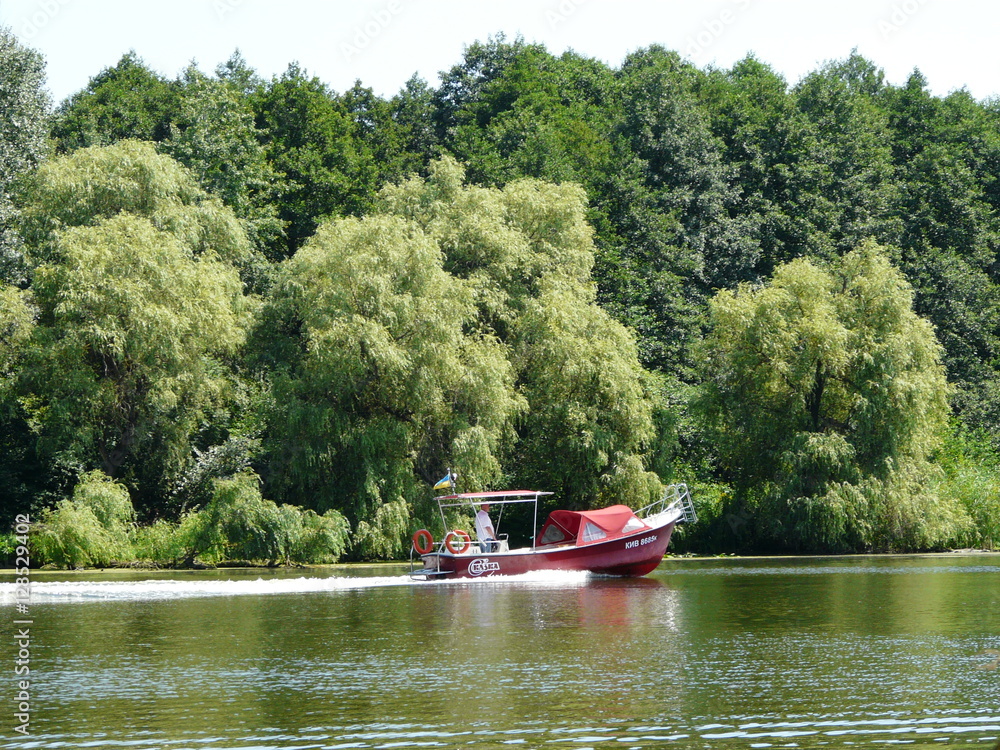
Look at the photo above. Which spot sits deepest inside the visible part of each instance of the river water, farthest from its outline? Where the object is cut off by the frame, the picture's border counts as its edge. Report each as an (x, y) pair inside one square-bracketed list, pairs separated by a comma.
[(725, 653)]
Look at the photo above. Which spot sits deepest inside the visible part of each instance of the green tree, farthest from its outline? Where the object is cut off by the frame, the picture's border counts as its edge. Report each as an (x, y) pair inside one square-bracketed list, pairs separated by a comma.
[(663, 209), (946, 152), (128, 100), (24, 120), (398, 132), (590, 423), (526, 113), (826, 396), (239, 524), (379, 384), (456, 327), (91, 528), (844, 187), (19, 470), (312, 143), (90, 185), (412, 112), (137, 302), (215, 135), (16, 323), (813, 163), (462, 87), (236, 71), (527, 254), (24, 114), (970, 473), (683, 166), (122, 360)]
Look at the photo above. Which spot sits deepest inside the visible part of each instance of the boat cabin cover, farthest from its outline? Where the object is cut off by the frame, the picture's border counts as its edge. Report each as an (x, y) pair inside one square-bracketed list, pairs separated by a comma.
[(581, 527)]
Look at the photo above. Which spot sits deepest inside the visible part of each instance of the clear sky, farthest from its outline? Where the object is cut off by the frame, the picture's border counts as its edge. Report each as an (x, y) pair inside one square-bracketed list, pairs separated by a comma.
[(384, 42)]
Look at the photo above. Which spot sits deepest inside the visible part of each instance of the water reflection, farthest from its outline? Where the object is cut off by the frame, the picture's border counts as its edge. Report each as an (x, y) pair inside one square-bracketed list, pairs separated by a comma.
[(715, 654), (602, 603)]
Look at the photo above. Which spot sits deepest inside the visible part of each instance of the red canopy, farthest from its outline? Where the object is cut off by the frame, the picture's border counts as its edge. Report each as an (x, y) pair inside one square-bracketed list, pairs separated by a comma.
[(588, 526)]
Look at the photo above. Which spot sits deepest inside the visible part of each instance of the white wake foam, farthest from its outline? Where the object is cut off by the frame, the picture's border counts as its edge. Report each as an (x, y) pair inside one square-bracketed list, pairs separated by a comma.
[(49, 592)]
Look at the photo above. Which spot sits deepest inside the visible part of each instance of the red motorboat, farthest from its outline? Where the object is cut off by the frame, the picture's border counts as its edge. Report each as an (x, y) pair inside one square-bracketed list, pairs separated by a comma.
[(610, 541)]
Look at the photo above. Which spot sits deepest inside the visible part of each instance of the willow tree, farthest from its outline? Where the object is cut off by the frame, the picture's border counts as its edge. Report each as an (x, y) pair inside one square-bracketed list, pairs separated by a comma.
[(826, 397), (137, 303), (16, 323), (379, 382), (457, 327), (93, 184), (526, 252)]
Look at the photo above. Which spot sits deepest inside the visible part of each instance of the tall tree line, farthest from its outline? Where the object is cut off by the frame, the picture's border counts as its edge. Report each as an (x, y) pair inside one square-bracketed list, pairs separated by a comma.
[(542, 270)]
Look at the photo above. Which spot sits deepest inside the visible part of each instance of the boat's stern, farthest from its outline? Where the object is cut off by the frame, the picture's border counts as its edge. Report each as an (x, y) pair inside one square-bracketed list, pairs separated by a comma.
[(431, 568)]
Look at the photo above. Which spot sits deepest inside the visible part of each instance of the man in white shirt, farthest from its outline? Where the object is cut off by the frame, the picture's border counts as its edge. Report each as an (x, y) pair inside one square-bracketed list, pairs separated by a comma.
[(484, 529)]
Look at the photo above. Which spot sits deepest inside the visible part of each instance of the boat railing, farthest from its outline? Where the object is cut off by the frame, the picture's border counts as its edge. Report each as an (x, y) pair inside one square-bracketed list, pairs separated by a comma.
[(500, 545), (676, 498), (431, 562)]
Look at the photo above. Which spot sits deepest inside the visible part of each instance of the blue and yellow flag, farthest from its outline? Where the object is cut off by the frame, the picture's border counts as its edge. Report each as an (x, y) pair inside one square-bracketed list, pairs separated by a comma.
[(447, 483)]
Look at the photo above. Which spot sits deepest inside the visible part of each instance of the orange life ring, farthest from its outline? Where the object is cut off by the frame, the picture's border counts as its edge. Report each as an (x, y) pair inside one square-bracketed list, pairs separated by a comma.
[(452, 536), (423, 541)]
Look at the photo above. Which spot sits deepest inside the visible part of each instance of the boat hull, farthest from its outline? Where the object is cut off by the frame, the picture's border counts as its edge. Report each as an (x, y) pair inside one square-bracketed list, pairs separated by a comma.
[(633, 555)]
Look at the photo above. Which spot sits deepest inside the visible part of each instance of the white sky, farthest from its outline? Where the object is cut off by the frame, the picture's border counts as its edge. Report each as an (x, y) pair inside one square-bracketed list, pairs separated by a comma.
[(383, 42)]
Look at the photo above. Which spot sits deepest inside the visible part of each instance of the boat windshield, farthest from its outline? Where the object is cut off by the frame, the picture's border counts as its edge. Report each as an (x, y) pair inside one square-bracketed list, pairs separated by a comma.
[(472, 500), (586, 526)]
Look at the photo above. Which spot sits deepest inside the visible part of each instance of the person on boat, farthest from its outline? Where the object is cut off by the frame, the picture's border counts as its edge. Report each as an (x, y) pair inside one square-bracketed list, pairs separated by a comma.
[(484, 529)]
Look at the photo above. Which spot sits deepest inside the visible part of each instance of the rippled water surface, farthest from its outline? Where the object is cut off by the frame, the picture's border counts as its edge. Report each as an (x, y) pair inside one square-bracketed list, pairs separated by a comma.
[(809, 653)]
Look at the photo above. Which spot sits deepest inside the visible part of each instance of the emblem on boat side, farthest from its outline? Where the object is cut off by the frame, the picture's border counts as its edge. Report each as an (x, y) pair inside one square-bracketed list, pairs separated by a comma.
[(481, 565)]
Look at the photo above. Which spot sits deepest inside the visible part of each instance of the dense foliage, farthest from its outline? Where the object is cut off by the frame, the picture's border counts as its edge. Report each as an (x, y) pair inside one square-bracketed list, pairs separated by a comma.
[(257, 319), (826, 397), (23, 124)]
